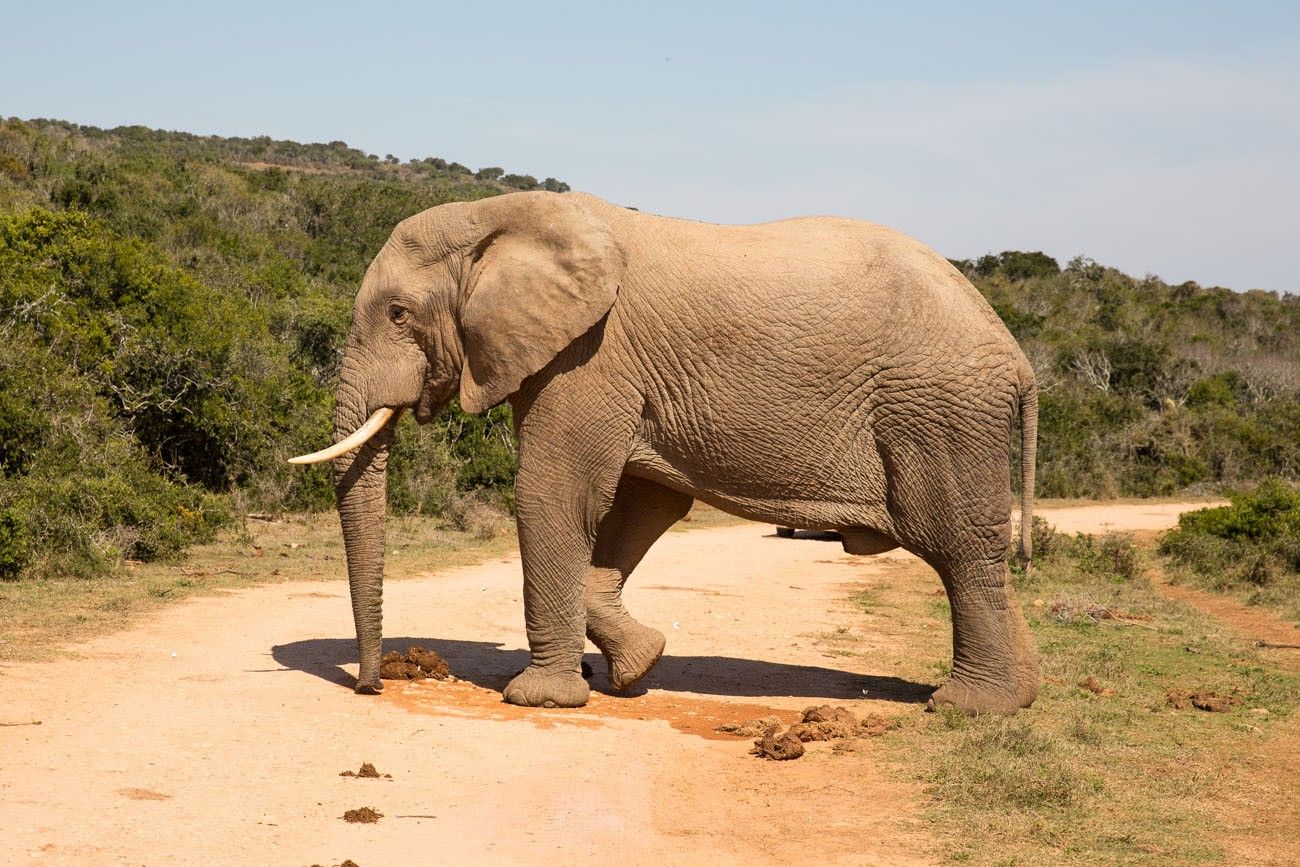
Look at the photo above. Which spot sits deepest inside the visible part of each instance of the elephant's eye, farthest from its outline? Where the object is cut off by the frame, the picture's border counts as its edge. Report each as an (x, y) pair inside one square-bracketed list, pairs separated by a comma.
[(398, 314)]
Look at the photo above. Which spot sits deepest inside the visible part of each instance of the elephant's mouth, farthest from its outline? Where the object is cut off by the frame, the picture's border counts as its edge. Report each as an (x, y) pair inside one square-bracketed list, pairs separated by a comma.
[(378, 419)]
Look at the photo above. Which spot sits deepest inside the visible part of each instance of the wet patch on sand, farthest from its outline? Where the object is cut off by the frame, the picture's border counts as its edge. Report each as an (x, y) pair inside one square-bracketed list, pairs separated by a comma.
[(687, 714)]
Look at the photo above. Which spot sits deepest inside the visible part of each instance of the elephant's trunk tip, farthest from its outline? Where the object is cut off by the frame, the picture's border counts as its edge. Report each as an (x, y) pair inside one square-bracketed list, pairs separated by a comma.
[(355, 440)]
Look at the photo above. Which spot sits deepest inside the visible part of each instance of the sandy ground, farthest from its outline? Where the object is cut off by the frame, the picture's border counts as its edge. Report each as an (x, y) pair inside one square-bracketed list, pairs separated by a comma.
[(215, 732)]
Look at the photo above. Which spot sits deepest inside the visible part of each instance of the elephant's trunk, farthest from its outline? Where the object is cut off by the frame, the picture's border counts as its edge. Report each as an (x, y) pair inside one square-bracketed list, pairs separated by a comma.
[(360, 483)]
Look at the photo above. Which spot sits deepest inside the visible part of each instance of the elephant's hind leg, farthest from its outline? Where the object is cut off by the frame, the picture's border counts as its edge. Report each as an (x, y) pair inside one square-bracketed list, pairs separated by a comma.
[(642, 511), (994, 659), (958, 520)]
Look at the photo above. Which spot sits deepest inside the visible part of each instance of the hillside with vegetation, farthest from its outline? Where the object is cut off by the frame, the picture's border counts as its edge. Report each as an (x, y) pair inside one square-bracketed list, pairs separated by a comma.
[(173, 306)]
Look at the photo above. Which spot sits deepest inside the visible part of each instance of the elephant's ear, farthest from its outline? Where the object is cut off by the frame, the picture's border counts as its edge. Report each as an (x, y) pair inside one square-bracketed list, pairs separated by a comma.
[(545, 271)]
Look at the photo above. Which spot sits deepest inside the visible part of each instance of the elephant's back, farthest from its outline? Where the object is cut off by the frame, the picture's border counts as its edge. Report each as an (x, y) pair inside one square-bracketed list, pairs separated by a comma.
[(847, 280)]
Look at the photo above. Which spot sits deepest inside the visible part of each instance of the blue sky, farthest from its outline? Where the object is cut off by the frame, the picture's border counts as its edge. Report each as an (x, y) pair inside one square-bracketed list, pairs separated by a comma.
[(1161, 138)]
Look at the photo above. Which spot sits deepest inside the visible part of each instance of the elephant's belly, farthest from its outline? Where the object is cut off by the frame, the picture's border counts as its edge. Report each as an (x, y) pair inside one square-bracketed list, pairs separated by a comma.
[(836, 494)]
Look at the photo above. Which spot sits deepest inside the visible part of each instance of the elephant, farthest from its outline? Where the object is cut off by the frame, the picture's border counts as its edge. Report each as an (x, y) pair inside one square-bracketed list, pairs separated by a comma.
[(811, 372)]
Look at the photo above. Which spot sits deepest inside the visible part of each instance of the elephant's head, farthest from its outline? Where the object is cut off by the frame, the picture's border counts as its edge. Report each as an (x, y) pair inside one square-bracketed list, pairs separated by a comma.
[(467, 297)]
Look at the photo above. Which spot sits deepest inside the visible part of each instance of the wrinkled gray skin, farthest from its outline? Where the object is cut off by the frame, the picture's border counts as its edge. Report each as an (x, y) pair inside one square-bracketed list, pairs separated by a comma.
[(810, 373)]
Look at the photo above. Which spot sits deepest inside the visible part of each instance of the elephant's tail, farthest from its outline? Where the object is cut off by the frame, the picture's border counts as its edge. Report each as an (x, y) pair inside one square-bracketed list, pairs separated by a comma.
[(1028, 456)]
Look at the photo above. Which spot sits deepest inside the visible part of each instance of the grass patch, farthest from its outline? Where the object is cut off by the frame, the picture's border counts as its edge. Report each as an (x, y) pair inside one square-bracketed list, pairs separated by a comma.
[(1101, 769), (1249, 549), (39, 615)]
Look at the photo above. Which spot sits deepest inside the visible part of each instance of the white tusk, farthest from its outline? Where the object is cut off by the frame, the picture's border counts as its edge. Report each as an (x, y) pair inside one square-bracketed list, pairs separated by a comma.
[(373, 425)]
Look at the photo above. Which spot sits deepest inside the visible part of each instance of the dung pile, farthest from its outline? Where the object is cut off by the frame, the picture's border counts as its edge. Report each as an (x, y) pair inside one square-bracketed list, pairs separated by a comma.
[(367, 772), (417, 663), (1211, 702), (777, 745), (364, 815), (821, 723), (751, 729)]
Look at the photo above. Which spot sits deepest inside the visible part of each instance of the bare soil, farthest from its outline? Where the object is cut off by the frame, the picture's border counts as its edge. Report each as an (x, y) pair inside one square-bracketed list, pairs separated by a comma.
[(230, 717)]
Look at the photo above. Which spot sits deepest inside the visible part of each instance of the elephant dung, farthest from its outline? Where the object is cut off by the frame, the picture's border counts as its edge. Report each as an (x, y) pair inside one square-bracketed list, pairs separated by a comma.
[(363, 815), (753, 728), (821, 723), (367, 772), (778, 747), (826, 723), (1207, 701), (417, 663)]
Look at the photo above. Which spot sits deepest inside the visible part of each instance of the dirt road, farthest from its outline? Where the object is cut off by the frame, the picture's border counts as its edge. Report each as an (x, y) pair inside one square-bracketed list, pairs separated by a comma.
[(215, 732)]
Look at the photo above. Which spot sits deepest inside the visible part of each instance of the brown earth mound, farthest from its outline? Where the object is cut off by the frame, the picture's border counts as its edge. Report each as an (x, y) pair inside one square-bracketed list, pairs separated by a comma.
[(821, 723), (367, 772), (416, 664), (364, 815), (1206, 700)]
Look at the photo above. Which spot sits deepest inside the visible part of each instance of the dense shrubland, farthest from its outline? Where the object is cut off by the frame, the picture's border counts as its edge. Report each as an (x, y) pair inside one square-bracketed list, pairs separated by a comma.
[(172, 309), (1147, 388), (1251, 546)]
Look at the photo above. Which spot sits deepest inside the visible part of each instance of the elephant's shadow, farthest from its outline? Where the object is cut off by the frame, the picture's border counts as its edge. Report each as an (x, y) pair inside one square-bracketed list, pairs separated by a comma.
[(487, 665)]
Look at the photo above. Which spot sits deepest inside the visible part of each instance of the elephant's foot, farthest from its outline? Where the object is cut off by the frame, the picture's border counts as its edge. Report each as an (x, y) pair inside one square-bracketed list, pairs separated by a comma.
[(974, 697), (632, 655), (542, 687), (1027, 680)]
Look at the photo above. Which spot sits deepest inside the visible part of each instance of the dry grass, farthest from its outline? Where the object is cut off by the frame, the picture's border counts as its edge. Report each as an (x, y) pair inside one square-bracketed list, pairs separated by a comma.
[(38, 616)]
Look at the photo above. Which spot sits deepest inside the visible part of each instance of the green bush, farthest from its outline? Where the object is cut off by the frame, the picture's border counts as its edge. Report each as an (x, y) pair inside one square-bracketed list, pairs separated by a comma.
[(1252, 543), (196, 290), (86, 496), (1109, 557)]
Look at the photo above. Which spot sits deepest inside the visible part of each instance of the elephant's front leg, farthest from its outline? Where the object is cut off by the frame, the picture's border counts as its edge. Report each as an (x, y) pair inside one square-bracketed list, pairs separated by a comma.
[(563, 490), (555, 551)]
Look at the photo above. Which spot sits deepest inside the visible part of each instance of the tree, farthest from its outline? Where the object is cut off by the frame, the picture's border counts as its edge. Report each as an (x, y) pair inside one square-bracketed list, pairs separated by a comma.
[(520, 182)]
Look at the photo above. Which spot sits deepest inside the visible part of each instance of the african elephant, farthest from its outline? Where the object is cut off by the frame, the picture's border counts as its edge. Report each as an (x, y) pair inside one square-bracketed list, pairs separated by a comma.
[(813, 372)]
